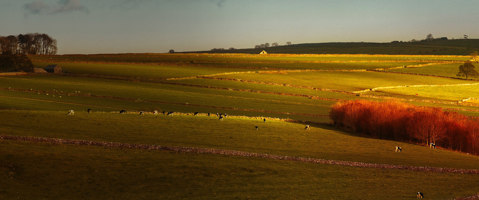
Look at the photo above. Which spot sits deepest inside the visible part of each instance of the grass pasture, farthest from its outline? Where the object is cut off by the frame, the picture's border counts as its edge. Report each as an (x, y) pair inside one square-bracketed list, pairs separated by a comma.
[(290, 91), (446, 70), (70, 172)]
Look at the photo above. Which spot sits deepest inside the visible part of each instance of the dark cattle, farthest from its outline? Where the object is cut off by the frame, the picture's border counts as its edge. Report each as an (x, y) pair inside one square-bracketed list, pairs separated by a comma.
[(122, 111), (164, 112), (420, 195), (225, 115), (88, 110), (256, 127), (264, 119), (141, 113), (221, 117), (209, 114), (196, 113)]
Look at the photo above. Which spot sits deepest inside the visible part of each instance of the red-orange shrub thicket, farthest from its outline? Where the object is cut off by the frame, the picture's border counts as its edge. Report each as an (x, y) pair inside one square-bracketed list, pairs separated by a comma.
[(405, 122)]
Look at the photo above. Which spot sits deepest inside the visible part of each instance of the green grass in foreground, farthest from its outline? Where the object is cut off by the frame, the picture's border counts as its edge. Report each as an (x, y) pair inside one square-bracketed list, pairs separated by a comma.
[(41, 171)]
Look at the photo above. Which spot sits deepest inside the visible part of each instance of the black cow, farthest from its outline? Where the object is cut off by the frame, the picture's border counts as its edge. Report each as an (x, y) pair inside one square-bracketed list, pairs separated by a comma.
[(122, 111)]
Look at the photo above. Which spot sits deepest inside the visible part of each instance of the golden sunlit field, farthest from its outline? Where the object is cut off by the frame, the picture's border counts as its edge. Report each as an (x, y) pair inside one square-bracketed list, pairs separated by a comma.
[(230, 126)]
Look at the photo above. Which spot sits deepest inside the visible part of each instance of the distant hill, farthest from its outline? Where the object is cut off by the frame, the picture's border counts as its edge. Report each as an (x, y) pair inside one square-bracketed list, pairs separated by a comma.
[(432, 47)]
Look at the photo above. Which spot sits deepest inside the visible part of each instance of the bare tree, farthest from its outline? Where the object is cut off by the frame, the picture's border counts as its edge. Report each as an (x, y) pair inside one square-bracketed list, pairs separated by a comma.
[(275, 44), (288, 43), (11, 45), (429, 37)]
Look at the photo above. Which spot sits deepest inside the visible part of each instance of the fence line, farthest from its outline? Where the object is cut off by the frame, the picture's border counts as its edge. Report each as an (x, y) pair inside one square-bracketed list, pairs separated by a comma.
[(198, 150)]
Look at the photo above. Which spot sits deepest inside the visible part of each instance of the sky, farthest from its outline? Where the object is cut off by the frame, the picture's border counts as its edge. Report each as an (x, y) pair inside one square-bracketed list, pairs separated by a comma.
[(156, 26)]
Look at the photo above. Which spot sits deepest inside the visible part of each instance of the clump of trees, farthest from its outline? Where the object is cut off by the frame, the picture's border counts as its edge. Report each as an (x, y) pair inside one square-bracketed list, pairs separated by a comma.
[(405, 122), (15, 63), (429, 37), (31, 43), (467, 70)]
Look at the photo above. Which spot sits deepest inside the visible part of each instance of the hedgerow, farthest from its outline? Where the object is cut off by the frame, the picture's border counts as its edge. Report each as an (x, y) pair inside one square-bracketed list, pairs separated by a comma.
[(405, 122)]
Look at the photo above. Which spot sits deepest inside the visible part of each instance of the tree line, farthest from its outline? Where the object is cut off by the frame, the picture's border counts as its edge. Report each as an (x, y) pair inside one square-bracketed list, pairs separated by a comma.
[(31, 43), (267, 45), (404, 122)]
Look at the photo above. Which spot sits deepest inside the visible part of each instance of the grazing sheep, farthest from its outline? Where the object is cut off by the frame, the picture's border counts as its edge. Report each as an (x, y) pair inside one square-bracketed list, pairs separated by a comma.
[(122, 111), (256, 127), (71, 112), (196, 113), (432, 145), (155, 112), (420, 195), (88, 110), (307, 127), (170, 113), (398, 149)]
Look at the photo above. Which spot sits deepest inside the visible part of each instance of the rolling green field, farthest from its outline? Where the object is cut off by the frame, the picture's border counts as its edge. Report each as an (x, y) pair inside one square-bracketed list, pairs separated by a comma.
[(288, 91)]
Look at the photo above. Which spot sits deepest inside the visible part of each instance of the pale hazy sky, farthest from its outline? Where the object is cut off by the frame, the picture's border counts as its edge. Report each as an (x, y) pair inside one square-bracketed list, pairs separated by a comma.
[(115, 26)]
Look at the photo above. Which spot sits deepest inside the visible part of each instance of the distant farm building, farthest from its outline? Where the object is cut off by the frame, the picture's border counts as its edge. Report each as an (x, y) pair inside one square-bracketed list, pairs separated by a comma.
[(53, 69), (263, 52)]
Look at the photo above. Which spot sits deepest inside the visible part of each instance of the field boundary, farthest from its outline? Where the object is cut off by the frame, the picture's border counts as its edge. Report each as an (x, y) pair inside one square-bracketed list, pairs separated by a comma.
[(198, 150), (13, 73)]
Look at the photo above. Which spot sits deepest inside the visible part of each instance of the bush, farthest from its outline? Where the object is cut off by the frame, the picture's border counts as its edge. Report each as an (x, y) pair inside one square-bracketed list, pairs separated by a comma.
[(404, 122), (15, 63)]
